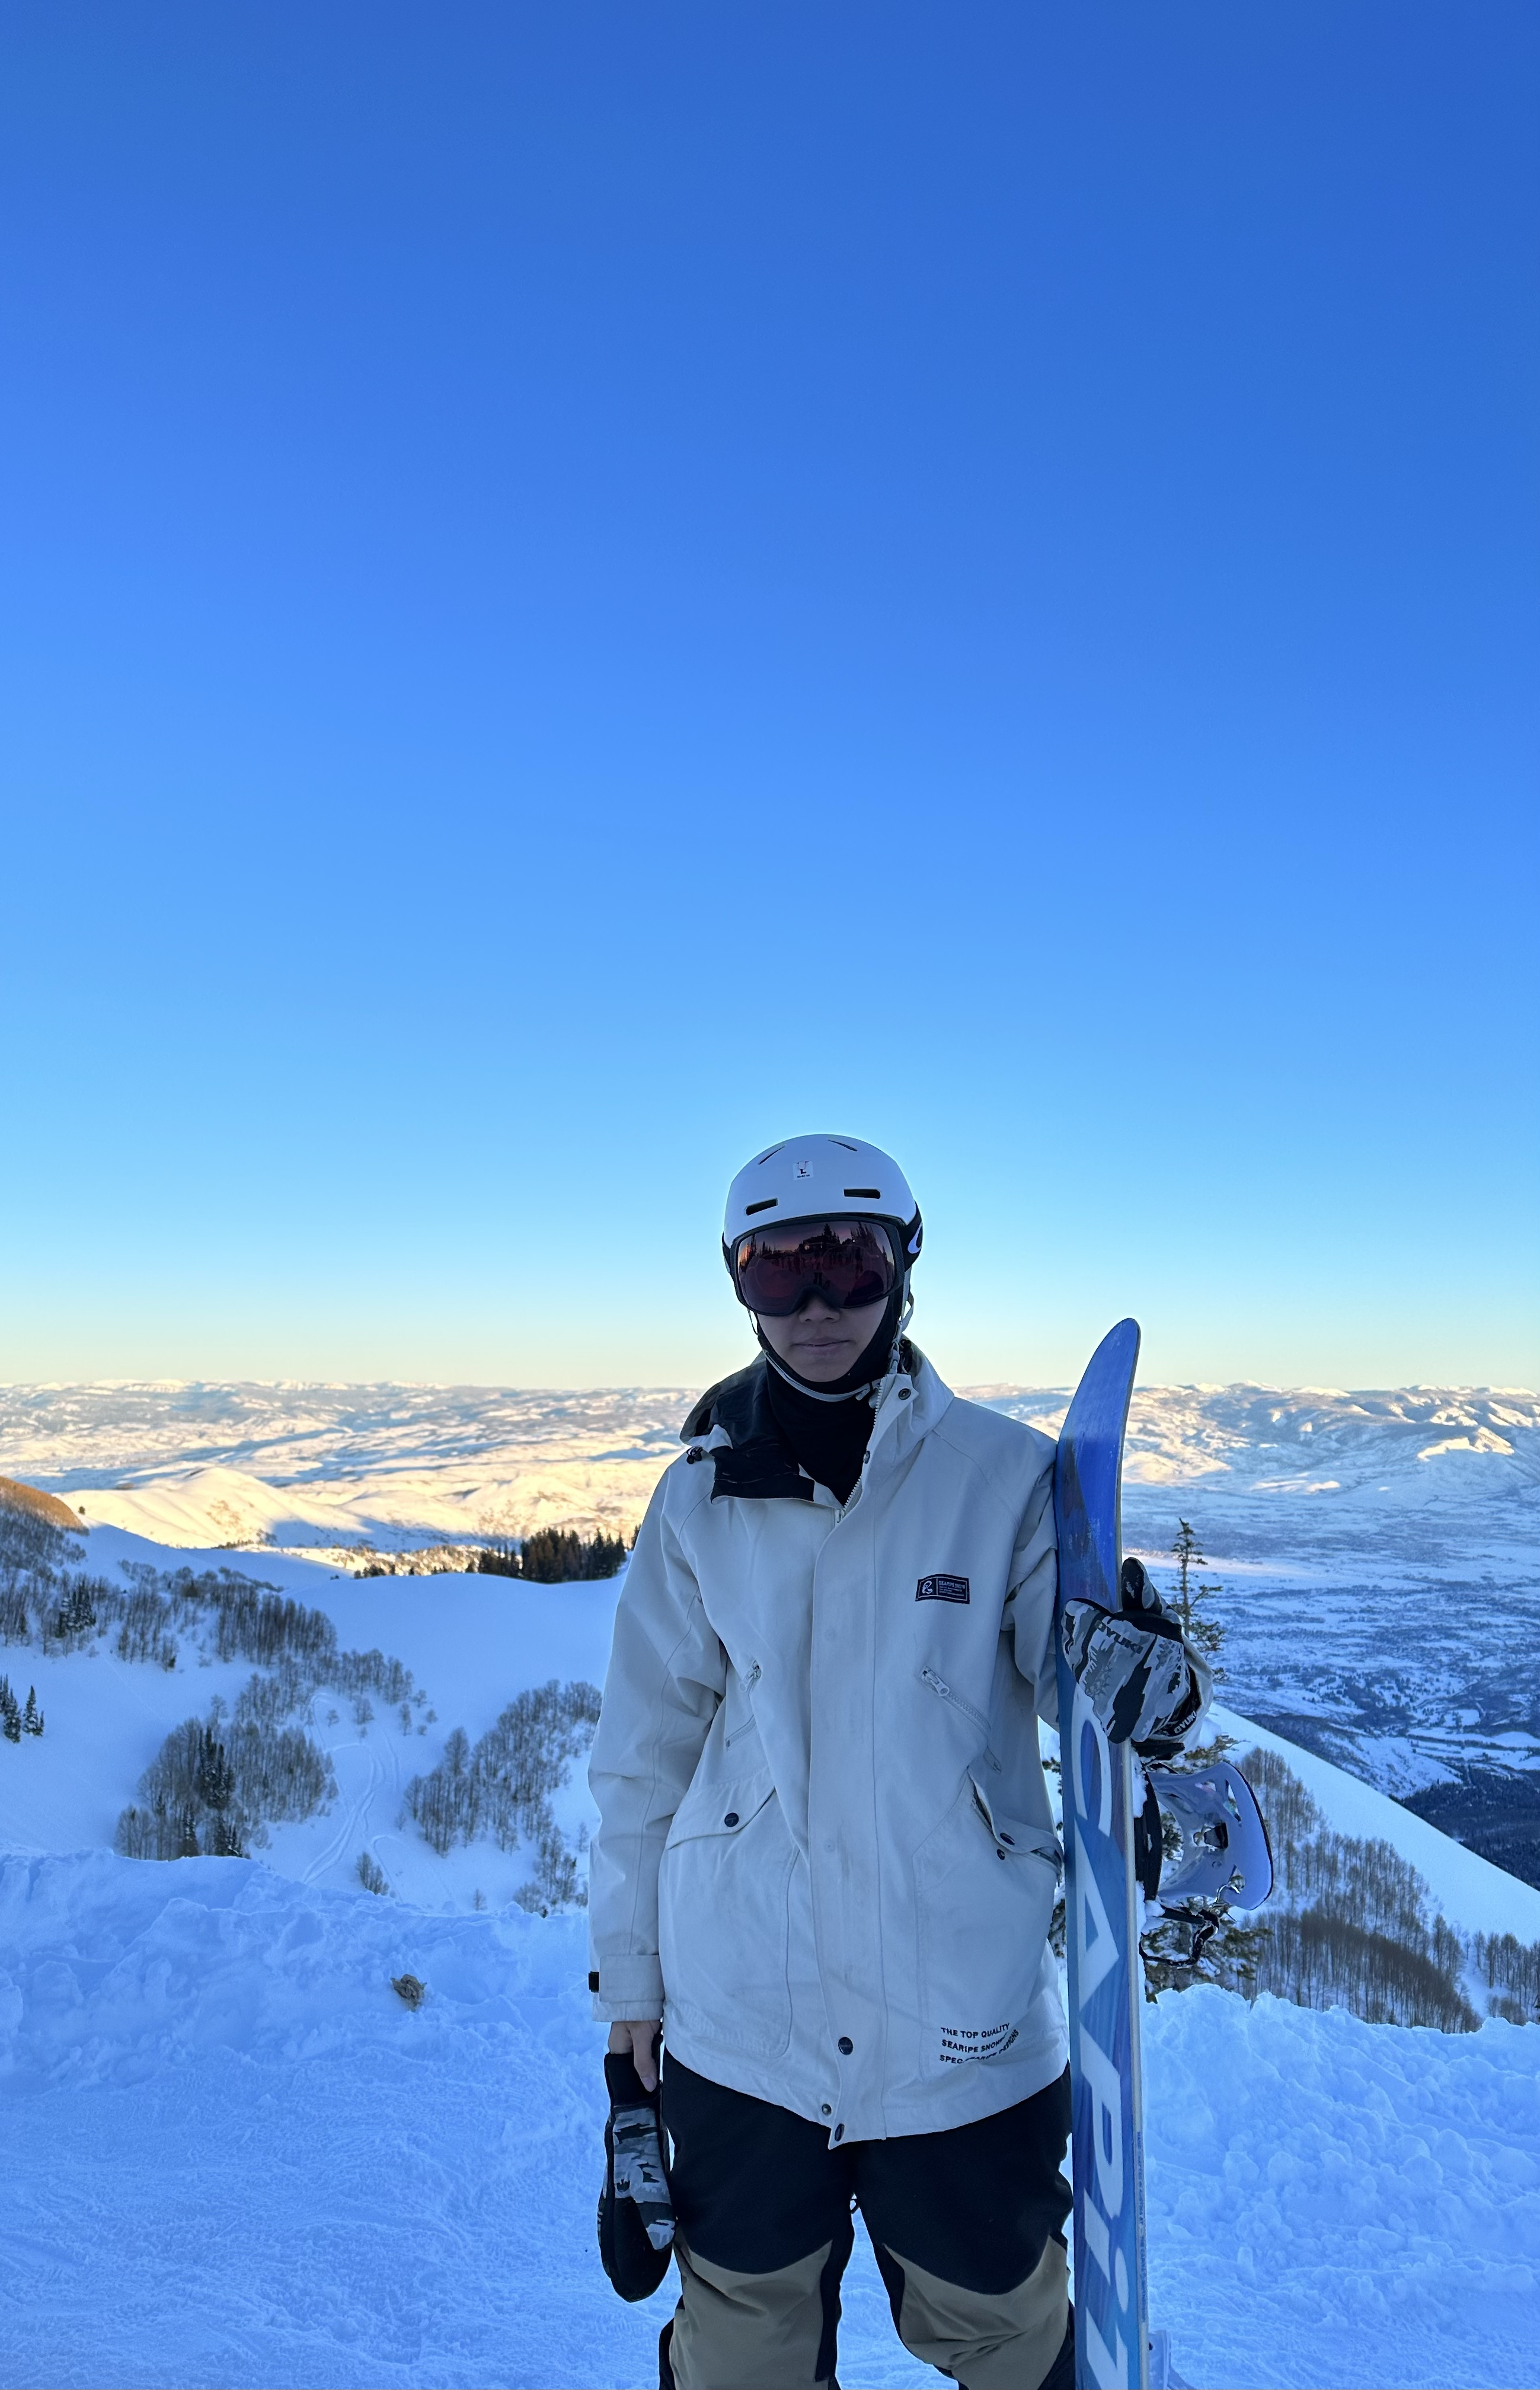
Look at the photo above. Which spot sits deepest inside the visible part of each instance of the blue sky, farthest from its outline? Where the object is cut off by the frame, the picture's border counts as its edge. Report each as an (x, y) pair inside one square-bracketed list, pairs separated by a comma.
[(584, 587)]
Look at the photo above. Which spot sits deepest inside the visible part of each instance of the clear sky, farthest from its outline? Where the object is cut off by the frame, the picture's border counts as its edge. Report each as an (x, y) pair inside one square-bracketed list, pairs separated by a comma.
[(585, 587)]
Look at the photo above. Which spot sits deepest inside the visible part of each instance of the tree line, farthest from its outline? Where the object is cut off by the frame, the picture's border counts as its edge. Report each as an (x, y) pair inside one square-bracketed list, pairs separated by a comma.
[(546, 1556), (1354, 1926), (556, 1556)]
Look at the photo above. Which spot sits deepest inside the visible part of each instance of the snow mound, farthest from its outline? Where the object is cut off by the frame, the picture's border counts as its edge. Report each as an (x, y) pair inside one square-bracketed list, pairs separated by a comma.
[(1341, 2203)]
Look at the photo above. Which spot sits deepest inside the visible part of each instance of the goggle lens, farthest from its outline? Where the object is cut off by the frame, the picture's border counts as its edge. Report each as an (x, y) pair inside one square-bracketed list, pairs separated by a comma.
[(850, 1262)]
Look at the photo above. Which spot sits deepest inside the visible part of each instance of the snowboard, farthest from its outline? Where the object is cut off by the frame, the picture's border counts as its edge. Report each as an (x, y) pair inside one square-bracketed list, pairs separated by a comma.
[(1101, 1904)]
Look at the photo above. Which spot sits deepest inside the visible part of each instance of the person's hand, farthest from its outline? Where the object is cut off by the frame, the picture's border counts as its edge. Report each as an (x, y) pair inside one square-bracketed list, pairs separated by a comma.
[(1145, 1685), (635, 2208), (637, 2040)]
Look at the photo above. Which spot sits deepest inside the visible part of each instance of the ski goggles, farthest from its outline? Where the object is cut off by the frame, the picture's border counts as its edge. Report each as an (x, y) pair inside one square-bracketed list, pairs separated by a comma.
[(850, 1262)]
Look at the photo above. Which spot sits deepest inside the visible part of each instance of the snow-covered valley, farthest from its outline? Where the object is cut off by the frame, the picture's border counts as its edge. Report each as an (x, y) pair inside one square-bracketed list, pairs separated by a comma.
[(238, 2157), (1377, 1550)]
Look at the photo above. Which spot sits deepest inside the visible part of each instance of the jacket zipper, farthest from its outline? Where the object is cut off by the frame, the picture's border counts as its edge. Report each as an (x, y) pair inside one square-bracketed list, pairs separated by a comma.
[(939, 1685), (750, 1681)]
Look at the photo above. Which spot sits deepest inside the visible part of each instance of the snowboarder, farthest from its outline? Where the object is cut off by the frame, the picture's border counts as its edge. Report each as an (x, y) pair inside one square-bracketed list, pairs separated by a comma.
[(825, 1867)]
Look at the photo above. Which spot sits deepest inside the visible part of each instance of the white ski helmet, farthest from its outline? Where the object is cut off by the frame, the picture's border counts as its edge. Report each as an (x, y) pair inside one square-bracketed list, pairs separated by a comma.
[(822, 1178)]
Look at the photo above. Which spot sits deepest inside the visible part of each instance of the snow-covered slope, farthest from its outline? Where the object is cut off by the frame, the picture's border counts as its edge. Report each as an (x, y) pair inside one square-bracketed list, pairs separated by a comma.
[(234, 2156), (203, 2061), (1473, 1895), (471, 1643)]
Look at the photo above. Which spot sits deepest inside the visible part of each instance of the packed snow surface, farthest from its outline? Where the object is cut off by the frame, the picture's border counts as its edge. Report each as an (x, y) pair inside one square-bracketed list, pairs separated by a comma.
[(235, 2156)]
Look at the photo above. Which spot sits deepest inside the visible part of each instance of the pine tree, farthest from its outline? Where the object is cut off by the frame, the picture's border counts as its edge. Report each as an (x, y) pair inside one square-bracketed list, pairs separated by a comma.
[(78, 1616), (215, 1778), (1203, 1632), (32, 1717), (1206, 1635), (1199, 1941), (10, 1713)]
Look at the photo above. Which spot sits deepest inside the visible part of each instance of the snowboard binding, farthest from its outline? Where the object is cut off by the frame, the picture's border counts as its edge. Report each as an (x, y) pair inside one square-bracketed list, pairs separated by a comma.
[(1207, 1840)]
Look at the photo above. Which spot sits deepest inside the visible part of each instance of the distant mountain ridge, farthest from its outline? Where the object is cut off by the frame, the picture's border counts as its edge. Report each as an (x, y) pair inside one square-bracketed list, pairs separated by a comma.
[(1376, 1548)]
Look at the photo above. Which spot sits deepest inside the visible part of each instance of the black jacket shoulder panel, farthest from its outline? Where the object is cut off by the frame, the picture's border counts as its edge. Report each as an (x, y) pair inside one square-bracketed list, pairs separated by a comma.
[(708, 1413), (756, 1462)]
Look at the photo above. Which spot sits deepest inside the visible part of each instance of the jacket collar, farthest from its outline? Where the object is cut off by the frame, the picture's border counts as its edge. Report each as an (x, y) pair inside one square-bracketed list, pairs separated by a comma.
[(734, 1425), (734, 1428)]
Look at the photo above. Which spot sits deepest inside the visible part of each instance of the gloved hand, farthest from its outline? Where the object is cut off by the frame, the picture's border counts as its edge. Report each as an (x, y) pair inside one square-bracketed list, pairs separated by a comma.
[(1143, 1683), (636, 2212)]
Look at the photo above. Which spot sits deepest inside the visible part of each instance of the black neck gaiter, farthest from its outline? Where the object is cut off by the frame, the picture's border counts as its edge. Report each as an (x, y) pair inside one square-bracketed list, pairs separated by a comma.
[(828, 1439)]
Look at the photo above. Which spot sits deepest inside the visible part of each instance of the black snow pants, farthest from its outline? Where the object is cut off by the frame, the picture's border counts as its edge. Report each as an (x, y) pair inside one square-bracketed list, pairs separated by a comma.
[(968, 2227)]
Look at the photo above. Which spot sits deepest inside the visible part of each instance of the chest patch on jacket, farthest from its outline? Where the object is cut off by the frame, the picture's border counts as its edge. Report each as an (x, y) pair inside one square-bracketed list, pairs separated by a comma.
[(941, 1588)]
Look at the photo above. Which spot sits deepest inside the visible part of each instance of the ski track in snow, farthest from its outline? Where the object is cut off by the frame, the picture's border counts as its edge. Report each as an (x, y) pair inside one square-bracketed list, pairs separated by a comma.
[(235, 2157), (350, 1834)]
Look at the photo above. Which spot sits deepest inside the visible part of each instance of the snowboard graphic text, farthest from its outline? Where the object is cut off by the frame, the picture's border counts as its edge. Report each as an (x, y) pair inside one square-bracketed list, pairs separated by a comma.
[(1101, 1942), (1107, 2135)]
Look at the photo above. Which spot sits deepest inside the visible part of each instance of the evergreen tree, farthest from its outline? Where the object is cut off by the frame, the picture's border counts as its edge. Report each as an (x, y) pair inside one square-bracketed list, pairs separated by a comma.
[(78, 1616), (1199, 1941), (1192, 1598), (215, 1778), (555, 1556), (32, 1717), (10, 1713)]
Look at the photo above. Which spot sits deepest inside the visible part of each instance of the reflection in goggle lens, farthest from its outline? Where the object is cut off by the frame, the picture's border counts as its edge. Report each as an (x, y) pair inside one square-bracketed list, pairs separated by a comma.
[(850, 1262)]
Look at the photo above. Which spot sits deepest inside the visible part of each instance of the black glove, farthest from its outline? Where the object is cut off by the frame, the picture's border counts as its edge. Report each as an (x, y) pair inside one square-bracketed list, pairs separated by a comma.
[(636, 2212), (1145, 1685)]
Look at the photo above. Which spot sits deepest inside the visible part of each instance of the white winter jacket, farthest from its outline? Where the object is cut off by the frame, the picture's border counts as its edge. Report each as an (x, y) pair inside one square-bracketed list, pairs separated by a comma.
[(826, 1854)]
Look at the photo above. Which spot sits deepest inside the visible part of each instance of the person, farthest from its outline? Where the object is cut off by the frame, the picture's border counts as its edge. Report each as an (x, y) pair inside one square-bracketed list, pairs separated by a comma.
[(826, 1866)]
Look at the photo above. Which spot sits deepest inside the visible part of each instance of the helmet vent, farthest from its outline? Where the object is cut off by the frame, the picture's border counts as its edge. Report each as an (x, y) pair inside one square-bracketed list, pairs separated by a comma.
[(768, 1205), (875, 1192)]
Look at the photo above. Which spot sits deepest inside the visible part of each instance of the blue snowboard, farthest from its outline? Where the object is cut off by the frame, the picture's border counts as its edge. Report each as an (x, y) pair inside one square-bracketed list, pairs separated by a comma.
[(1100, 1893)]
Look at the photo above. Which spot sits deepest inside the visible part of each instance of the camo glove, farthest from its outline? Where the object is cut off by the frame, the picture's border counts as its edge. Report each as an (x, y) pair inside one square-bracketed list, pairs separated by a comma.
[(1145, 1684), (636, 2212)]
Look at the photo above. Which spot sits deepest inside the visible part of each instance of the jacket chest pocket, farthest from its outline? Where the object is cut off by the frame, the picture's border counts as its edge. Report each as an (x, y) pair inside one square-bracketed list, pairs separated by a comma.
[(724, 1915), (984, 1887)]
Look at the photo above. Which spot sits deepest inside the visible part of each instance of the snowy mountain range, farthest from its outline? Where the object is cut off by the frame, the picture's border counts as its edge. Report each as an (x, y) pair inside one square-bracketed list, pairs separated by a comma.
[(1377, 1550)]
